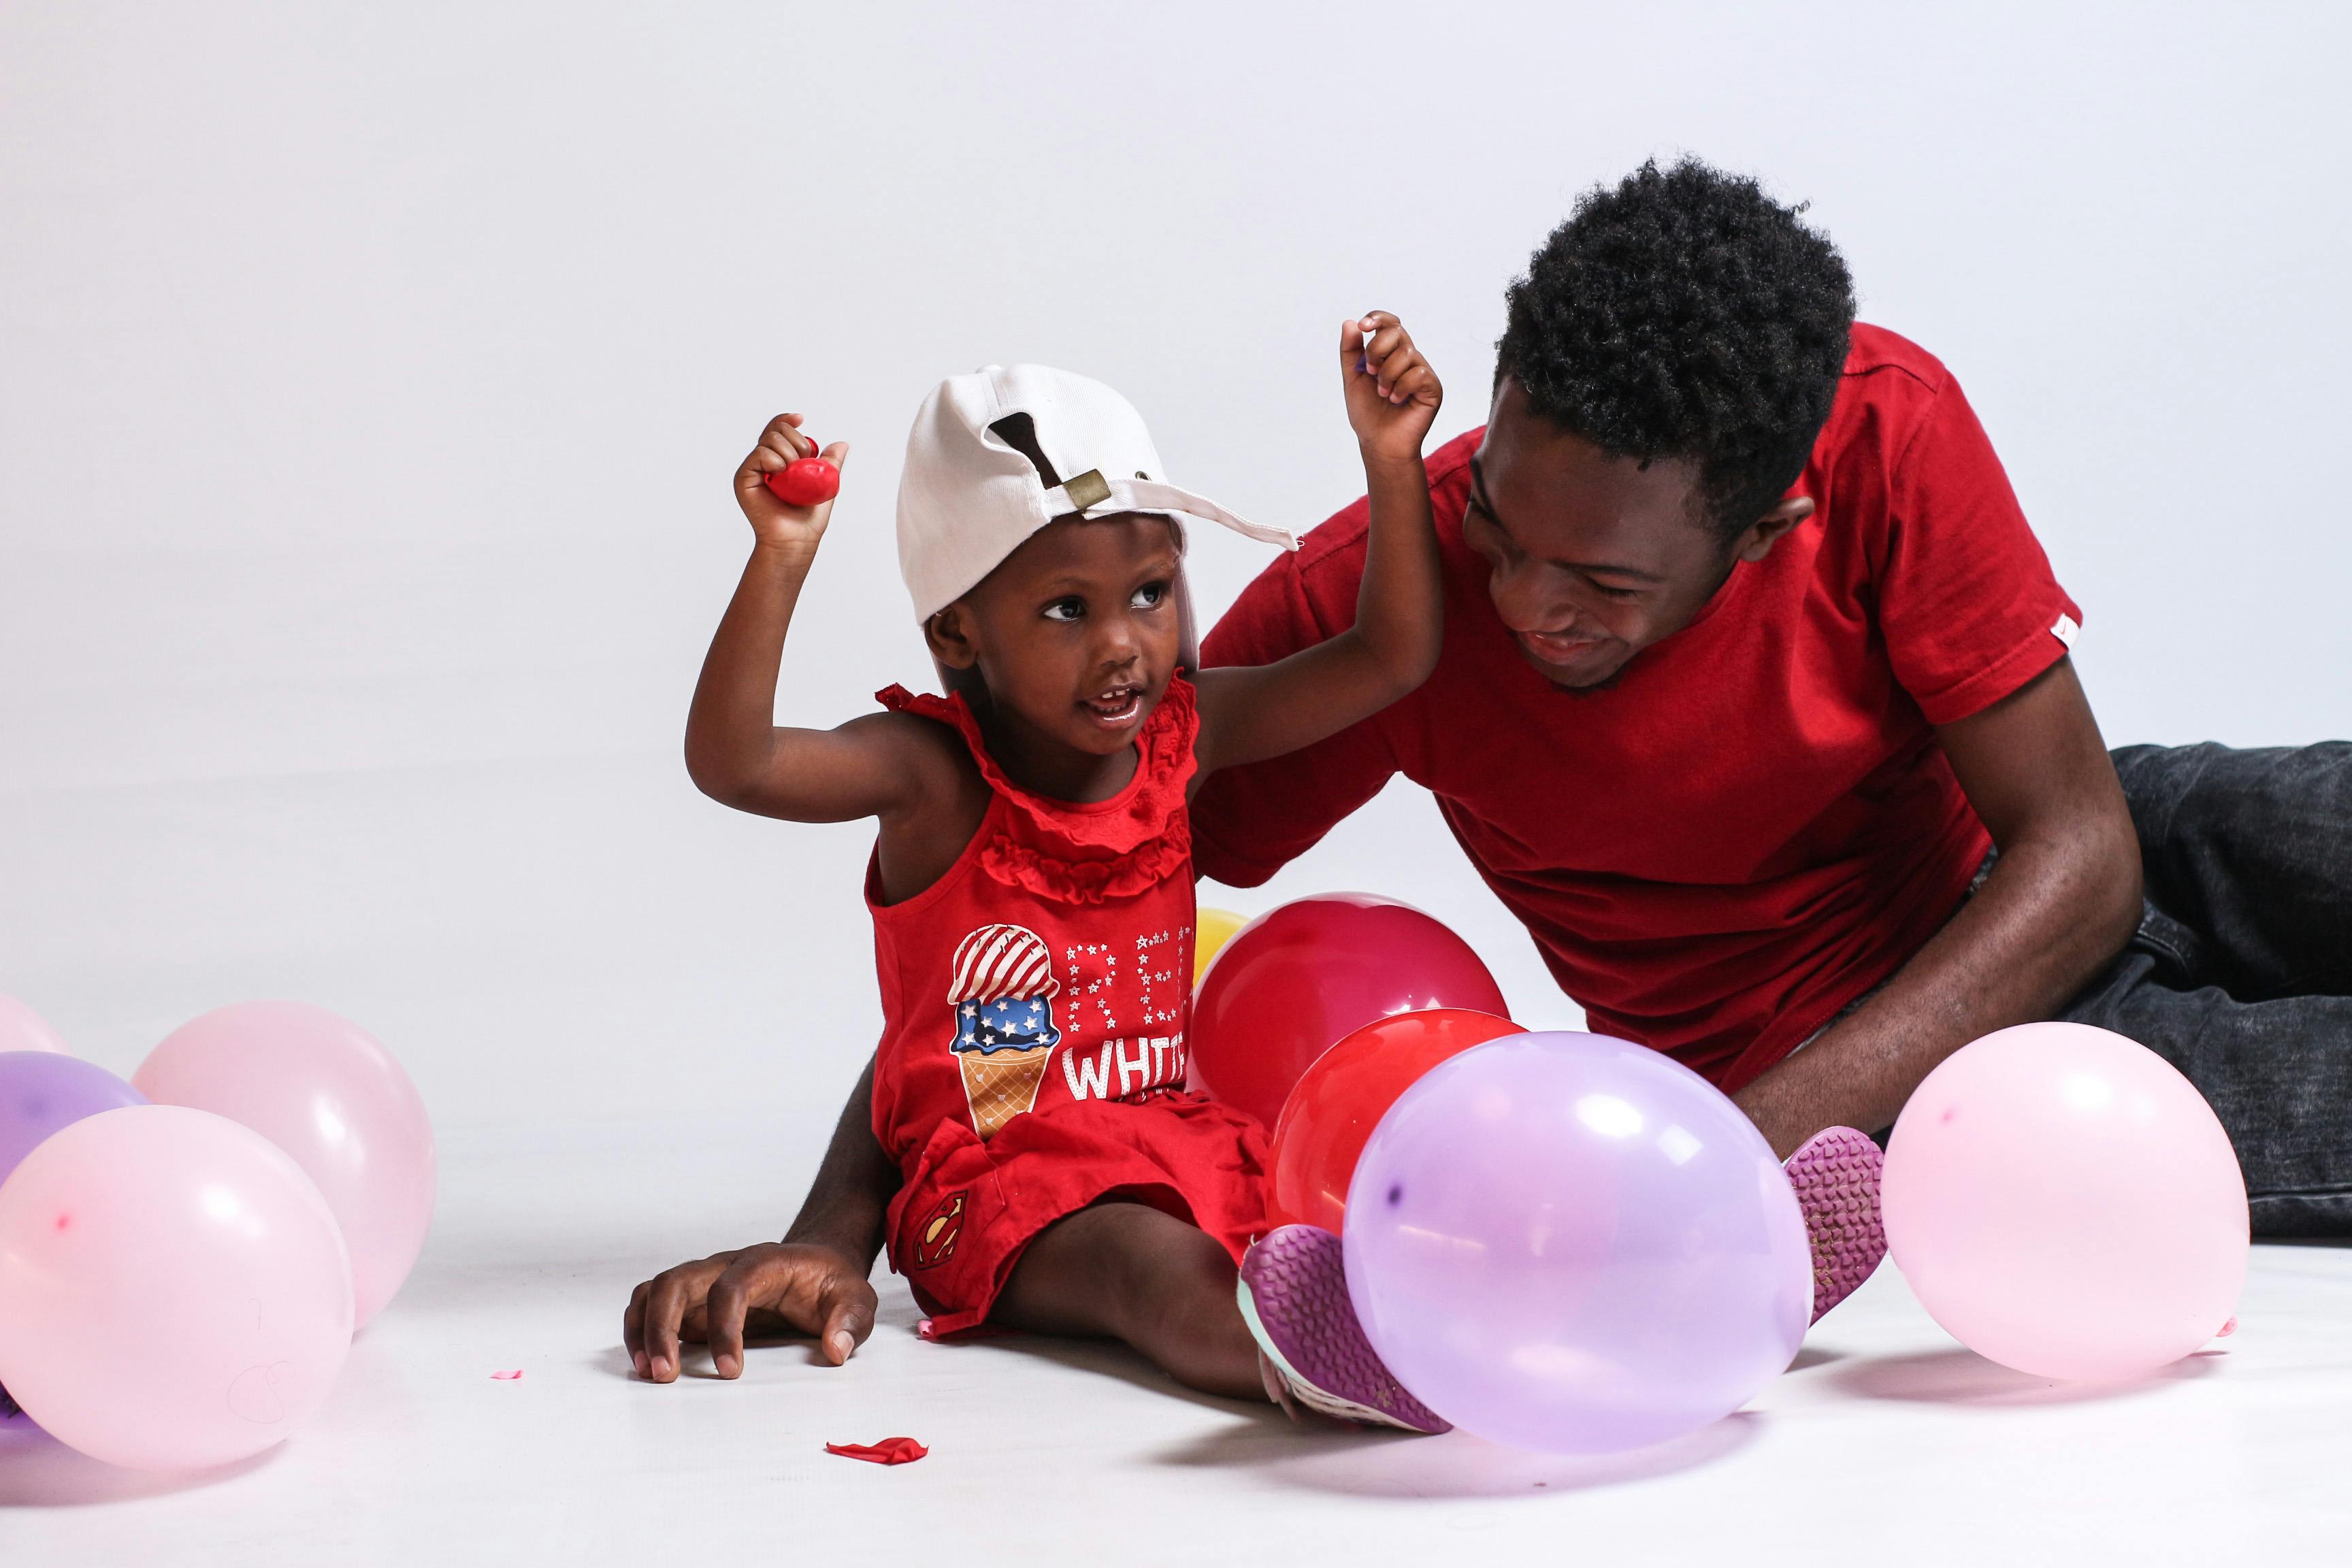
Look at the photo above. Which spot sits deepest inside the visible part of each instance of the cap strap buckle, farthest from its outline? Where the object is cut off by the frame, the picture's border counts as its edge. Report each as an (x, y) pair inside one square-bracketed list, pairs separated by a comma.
[(1088, 490)]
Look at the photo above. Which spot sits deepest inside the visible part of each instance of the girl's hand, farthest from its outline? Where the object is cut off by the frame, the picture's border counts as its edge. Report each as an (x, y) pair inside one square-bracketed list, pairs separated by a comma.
[(772, 521), (1392, 394), (774, 1288)]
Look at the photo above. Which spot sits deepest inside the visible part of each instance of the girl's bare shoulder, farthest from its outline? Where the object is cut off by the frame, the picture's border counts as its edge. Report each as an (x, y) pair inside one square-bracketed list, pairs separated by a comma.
[(928, 754)]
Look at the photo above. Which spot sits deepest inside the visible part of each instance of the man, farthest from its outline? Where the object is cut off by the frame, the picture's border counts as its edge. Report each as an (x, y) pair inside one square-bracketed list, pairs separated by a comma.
[(1755, 708)]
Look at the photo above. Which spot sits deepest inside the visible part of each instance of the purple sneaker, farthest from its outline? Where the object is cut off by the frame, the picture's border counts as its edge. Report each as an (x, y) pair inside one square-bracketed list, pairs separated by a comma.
[(1835, 1173), (1294, 1296)]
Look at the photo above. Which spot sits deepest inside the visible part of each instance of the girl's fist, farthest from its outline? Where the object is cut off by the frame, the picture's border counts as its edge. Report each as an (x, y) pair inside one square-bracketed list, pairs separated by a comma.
[(786, 486), (1392, 393)]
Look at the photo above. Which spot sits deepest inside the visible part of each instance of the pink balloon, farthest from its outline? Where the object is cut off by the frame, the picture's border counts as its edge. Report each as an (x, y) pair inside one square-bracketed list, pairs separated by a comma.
[(321, 1088), (22, 1029), (174, 1293), (2064, 1203)]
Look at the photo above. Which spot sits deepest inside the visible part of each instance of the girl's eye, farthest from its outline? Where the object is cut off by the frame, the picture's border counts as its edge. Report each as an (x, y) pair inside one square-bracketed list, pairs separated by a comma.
[(1066, 610), (1149, 596)]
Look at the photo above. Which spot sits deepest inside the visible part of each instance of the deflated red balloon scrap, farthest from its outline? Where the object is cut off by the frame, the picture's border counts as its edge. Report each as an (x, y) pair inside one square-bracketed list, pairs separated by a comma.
[(805, 481), (888, 1451)]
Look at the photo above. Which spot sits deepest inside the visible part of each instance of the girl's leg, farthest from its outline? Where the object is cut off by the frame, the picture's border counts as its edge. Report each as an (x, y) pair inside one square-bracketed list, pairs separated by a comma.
[(1126, 1272)]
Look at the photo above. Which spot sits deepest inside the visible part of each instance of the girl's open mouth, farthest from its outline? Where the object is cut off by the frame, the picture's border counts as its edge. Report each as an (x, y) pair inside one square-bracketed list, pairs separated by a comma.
[(1119, 705)]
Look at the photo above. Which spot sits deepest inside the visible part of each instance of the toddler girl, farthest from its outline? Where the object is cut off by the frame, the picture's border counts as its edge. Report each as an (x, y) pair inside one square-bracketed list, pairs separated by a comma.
[(1032, 879)]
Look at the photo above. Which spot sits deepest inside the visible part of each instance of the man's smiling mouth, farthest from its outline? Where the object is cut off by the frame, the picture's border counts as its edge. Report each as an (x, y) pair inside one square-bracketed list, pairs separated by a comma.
[(1556, 648)]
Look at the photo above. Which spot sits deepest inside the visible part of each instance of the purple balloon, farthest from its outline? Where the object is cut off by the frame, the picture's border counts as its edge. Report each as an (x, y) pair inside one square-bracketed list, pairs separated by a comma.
[(1568, 1243), (40, 1092)]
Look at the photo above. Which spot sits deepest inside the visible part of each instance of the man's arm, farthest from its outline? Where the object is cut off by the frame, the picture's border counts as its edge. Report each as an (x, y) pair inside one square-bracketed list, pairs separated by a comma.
[(2062, 900), (812, 1282)]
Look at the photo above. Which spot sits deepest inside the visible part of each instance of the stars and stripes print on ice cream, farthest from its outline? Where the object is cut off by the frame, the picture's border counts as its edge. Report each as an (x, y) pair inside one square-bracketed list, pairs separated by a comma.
[(1001, 996), (1015, 1023), (997, 962)]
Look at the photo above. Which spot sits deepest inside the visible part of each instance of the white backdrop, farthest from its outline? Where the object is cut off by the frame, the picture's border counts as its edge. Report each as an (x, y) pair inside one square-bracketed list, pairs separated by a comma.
[(370, 385)]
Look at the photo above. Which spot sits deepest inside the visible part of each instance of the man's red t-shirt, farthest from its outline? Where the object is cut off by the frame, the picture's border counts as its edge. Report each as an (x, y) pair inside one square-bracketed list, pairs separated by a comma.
[(1754, 825)]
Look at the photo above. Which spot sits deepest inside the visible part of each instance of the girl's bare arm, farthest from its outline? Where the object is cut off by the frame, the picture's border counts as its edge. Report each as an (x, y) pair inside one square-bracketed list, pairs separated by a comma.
[(877, 765), (1251, 713)]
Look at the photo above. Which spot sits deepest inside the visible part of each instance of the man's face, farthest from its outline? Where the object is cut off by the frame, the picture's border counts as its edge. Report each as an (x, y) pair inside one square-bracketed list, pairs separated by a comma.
[(1594, 558)]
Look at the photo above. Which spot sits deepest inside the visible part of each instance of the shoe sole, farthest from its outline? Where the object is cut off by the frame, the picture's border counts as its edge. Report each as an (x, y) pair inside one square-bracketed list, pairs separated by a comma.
[(1836, 1174), (1293, 1291)]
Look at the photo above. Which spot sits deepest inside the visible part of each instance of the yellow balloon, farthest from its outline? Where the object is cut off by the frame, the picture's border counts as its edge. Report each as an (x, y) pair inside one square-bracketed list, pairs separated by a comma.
[(1212, 928)]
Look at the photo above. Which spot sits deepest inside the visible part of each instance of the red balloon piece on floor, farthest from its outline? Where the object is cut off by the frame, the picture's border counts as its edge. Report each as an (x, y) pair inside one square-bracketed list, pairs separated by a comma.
[(888, 1451), (1297, 980), (805, 481), (1342, 1096)]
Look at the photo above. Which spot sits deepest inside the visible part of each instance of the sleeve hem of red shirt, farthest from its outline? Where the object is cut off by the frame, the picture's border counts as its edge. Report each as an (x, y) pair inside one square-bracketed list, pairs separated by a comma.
[(1212, 864), (1212, 860), (2003, 678)]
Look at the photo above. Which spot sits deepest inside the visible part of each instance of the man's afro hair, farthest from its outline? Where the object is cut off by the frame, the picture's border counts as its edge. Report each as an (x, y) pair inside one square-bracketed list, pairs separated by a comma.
[(1686, 314)]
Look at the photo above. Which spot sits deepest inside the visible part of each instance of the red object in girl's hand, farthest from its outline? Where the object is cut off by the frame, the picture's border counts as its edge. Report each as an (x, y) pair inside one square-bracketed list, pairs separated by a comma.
[(805, 481)]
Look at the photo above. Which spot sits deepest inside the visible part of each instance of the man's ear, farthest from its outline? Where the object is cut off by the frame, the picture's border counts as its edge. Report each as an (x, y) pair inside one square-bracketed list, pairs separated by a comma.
[(948, 634), (1766, 530)]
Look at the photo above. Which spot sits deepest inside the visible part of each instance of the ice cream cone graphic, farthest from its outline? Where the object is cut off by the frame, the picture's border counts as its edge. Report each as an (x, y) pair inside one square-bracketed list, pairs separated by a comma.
[(1001, 996)]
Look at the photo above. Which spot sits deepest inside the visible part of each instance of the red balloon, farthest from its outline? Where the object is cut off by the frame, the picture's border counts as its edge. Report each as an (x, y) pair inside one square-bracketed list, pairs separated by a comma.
[(1342, 1096), (805, 481), (1300, 979)]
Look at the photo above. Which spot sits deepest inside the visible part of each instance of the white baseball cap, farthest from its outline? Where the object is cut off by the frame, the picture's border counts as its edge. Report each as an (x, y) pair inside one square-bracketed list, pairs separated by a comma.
[(968, 498)]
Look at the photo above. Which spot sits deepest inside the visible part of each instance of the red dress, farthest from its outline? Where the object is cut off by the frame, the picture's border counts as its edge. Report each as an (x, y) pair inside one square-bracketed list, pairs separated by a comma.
[(1034, 1001)]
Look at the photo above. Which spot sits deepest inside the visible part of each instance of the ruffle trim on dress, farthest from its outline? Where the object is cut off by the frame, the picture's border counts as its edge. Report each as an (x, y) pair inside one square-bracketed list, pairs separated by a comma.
[(1085, 854), (1084, 882)]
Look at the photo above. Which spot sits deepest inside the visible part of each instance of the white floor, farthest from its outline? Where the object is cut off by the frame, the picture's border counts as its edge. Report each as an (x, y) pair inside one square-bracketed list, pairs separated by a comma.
[(1885, 1439)]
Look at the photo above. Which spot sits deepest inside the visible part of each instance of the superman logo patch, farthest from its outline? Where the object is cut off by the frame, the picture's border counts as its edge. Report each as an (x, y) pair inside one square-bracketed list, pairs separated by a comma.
[(935, 1238)]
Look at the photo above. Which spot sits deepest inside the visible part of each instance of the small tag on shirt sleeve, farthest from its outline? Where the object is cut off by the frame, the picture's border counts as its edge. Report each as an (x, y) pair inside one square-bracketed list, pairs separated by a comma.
[(2066, 629)]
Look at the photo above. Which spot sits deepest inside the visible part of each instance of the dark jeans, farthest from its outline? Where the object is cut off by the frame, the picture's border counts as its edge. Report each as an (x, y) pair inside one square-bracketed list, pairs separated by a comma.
[(2241, 975)]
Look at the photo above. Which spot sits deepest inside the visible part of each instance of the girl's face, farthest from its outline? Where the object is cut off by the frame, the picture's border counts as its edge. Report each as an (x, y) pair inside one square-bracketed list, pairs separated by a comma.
[(1075, 633)]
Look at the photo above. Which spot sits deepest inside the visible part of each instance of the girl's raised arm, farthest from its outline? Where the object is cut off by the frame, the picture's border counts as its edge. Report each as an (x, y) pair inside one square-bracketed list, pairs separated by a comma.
[(877, 766), (1252, 713)]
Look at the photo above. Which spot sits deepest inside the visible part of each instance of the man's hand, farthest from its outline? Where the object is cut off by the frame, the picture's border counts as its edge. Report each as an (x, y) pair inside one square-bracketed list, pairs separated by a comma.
[(774, 1288), (781, 445), (1392, 394), (2062, 900)]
